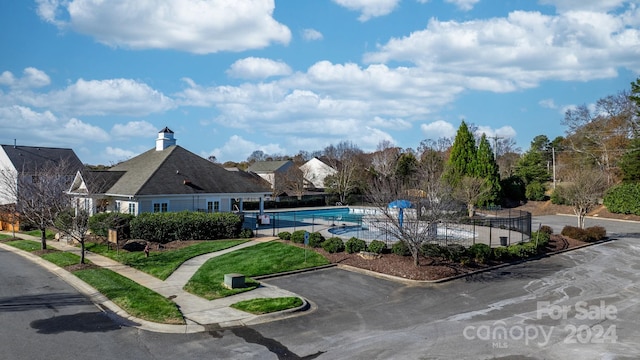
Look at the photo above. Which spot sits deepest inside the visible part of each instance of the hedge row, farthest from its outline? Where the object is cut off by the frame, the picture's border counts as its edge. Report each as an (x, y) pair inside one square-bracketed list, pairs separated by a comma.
[(185, 225), (100, 223), (334, 244)]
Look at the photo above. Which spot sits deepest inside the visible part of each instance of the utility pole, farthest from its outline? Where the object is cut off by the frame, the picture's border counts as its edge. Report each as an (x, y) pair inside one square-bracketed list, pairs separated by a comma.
[(495, 144), (553, 158)]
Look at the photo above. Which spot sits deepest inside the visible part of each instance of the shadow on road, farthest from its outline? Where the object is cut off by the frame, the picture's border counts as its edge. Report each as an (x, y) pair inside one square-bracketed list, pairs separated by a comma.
[(82, 322)]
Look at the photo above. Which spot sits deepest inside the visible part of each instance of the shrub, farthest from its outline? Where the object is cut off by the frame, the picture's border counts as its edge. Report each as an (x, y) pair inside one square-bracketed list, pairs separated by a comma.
[(541, 237), (432, 250), (501, 253), (284, 235), (333, 245), (480, 252), (400, 248), (536, 191), (246, 233), (298, 236), (623, 199), (456, 252), (589, 234), (596, 233), (557, 198), (355, 245), (100, 223), (377, 246), (546, 229), (316, 239)]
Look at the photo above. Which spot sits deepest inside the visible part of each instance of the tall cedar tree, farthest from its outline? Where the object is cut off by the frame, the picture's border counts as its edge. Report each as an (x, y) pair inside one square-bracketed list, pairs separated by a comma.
[(463, 156), (487, 168)]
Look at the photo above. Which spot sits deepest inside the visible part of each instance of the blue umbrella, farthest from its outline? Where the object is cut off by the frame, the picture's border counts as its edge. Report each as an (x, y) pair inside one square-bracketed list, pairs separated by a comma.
[(400, 204)]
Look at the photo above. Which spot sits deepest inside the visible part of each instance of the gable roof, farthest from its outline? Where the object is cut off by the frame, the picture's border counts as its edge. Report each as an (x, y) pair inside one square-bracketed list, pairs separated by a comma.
[(268, 166), (176, 170), (29, 159)]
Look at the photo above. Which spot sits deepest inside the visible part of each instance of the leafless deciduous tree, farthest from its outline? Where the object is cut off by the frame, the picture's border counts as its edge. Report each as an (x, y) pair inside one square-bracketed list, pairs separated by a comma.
[(417, 225), (583, 190), (74, 223), (470, 190), (39, 194)]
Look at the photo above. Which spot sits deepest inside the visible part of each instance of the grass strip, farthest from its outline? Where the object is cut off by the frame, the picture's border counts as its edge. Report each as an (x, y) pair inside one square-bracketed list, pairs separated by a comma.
[(62, 258), (161, 264), (49, 235), (26, 245), (133, 298), (262, 259), (267, 305)]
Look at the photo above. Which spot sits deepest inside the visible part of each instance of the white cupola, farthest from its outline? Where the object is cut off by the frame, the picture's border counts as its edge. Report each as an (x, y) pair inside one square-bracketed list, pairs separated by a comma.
[(165, 139)]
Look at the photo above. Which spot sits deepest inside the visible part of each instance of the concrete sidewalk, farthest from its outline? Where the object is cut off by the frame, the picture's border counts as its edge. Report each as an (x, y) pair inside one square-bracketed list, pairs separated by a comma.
[(199, 313)]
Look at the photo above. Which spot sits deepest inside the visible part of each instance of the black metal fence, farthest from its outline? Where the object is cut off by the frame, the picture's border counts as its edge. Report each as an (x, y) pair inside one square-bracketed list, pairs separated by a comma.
[(494, 227)]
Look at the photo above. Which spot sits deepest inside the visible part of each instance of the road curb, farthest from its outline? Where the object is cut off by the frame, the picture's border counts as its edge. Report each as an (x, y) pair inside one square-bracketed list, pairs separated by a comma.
[(102, 302)]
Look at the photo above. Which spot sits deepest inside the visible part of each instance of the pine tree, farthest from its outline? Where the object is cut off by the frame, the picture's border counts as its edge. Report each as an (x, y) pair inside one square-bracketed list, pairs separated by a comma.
[(463, 156), (487, 168)]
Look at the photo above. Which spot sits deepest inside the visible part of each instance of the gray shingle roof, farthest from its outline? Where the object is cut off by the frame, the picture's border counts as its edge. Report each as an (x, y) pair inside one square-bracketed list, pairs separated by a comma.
[(29, 159), (176, 170), (267, 166)]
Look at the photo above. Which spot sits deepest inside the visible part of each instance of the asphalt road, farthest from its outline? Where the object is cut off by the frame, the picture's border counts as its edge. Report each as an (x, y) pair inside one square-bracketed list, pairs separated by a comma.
[(582, 304)]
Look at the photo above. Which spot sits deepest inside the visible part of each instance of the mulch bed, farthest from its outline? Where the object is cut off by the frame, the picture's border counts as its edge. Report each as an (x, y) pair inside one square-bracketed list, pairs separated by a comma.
[(429, 268)]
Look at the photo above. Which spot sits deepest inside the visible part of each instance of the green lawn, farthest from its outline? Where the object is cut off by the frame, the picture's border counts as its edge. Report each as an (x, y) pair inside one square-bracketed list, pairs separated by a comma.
[(5, 236), (132, 297), (267, 305), (62, 258), (37, 233), (162, 264), (261, 259), (26, 245)]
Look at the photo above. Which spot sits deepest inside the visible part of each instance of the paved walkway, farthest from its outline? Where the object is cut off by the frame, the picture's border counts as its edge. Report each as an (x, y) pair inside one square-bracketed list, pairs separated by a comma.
[(198, 312)]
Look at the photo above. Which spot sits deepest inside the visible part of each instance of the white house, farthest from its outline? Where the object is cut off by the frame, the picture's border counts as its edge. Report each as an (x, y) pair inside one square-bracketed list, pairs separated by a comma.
[(315, 171), (166, 178)]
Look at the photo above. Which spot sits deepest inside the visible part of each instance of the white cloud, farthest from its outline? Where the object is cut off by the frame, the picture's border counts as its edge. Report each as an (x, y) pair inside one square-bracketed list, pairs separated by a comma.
[(369, 8), (46, 129), (258, 68), (195, 26), (119, 154), (519, 51), (32, 78), (465, 5), (238, 148), (134, 129), (438, 129), (548, 103), (101, 97), (311, 35), (505, 132)]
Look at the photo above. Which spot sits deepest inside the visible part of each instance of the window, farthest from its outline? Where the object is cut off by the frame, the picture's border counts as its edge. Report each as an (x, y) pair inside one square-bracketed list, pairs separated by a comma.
[(132, 208), (160, 207), (213, 206), (118, 204)]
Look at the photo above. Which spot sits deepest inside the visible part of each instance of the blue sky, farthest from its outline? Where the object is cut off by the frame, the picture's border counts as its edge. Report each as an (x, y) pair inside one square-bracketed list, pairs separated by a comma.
[(233, 76)]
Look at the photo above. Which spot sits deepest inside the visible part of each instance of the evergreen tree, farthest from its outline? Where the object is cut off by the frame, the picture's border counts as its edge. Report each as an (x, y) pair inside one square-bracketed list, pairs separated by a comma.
[(487, 168), (630, 162), (463, 156)]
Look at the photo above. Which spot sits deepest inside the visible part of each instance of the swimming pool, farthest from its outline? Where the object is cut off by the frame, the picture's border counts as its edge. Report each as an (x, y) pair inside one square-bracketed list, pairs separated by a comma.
[(306, 217)]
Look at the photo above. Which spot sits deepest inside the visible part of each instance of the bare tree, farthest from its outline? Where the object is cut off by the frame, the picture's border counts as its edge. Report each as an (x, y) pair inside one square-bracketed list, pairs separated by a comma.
[(583, 190), (293, 180), (347, 160), (74, 223), (39, 194), (417, 224), (470, 190)]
